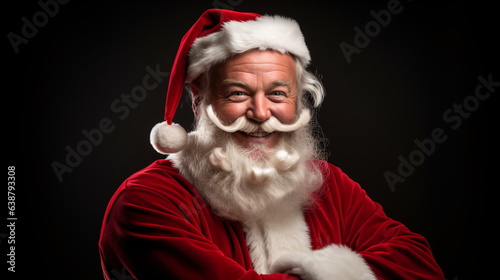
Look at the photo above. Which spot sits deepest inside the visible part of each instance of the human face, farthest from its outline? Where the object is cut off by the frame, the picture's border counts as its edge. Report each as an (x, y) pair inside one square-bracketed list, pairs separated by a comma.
[(256, 84)]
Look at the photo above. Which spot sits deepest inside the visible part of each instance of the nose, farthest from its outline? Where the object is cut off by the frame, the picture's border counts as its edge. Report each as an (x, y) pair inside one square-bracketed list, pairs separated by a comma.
[(259, 109)]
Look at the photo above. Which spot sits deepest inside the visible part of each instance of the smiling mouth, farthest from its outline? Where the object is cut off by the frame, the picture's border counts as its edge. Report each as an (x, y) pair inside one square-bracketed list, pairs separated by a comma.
[(258, 134)]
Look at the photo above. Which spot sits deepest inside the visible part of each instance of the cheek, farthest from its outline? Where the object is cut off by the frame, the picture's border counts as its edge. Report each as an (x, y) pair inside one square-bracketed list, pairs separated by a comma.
[(286, 113), (229, 112)]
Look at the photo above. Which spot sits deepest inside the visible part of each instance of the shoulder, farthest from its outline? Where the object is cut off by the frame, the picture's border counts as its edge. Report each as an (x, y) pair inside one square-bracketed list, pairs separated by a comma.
[(159, 175), (155, 186), (334, 175), (338, 186)]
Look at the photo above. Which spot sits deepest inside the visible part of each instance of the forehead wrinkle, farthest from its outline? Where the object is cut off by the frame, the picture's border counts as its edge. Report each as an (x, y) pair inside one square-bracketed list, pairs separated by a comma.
[(234, 82), (282, 82)]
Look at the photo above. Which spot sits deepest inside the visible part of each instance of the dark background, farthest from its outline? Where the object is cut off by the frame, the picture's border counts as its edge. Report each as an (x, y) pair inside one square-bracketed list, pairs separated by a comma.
[(396, 90)]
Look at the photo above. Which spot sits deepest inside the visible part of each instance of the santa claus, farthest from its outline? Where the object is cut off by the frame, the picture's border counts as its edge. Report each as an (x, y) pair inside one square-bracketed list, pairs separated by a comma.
[(247, 194)]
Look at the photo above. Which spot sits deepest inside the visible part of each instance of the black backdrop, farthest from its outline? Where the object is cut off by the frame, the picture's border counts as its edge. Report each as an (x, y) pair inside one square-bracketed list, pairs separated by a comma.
[(77, 70)]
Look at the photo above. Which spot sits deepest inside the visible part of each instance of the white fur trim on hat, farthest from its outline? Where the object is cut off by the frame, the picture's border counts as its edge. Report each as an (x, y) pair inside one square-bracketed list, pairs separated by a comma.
[(168, 139), (331, 262), (267, 32)]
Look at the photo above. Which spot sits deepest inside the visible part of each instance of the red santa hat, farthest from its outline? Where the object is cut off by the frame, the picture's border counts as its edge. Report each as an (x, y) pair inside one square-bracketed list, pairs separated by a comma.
[(216, 36)]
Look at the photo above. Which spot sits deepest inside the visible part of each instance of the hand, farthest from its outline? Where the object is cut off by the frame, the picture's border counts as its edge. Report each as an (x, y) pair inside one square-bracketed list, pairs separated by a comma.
[(330, 263)]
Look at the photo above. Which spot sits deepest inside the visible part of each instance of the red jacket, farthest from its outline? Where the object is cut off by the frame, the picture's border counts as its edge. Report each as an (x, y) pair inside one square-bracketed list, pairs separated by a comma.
[(157, 226)]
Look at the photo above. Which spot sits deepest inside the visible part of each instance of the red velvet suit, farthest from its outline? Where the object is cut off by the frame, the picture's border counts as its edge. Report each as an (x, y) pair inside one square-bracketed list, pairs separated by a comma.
[(157, 226)]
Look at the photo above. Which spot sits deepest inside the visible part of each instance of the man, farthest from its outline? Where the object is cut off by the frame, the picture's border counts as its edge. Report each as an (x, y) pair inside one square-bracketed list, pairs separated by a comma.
[(246, 195)]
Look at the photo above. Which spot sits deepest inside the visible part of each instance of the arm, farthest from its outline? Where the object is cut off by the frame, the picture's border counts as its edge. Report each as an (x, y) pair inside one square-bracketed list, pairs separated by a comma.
[(354, 239), (388, 246), (154, 234)]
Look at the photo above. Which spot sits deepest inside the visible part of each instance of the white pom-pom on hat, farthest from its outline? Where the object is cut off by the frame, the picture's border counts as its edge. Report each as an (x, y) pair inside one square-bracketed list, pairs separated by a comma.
[(168, 139)]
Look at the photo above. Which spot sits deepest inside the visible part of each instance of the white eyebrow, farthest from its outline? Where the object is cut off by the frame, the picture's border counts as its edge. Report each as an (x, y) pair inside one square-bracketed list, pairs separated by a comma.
[(235, 82)]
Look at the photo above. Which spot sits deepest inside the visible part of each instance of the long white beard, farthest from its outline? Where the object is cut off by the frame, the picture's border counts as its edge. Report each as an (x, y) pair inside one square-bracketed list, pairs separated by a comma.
[(244, 184)]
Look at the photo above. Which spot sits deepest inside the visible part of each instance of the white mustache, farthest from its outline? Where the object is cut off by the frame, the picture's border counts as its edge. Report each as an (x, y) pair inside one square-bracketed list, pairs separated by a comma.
[(271, 125)]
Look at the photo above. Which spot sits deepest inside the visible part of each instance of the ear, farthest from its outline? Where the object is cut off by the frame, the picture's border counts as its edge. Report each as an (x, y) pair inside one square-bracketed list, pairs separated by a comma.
[(194, 88)]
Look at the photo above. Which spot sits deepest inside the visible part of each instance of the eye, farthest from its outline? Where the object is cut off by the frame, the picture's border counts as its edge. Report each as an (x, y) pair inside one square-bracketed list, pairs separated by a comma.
[(277, 95), (238, 96)]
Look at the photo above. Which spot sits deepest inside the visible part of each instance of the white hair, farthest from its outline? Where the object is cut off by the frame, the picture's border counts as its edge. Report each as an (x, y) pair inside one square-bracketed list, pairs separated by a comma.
[(309, 85)]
